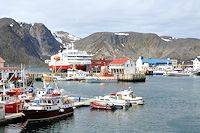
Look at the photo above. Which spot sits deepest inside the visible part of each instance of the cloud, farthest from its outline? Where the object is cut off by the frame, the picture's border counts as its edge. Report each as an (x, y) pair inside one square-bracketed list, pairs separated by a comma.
[(179, 18)]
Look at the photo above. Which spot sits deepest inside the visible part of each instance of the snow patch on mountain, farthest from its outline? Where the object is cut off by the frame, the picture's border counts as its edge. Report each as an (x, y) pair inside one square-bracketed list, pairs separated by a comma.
[(64, 37), (121, 34), (11, 25), (166, 40), (72, 37)]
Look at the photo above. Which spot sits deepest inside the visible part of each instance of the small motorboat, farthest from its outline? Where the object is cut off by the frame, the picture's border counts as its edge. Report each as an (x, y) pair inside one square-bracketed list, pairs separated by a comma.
[(102, 105), (131, 97), (113, 100)]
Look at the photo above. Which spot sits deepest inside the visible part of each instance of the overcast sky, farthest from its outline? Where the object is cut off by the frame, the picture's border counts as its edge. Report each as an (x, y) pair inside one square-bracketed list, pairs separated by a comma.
[(177, 18)]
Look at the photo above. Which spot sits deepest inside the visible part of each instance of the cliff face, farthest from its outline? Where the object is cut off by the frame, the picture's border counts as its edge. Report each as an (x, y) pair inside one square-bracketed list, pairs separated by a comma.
[(65, 37), (133, 45), (25, 43)]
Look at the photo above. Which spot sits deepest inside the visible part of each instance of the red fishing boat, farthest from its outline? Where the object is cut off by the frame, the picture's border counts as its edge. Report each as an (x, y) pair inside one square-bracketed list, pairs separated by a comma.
[(12, 103), (47, 108)]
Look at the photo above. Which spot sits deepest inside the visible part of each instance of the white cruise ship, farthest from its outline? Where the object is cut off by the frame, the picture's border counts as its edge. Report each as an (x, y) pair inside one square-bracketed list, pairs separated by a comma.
[(68, 57)]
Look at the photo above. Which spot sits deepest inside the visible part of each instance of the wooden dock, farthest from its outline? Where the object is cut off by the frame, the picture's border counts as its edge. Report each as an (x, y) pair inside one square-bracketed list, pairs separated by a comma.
[(132, 77), (12, 118), (38, 76), (83, 103)]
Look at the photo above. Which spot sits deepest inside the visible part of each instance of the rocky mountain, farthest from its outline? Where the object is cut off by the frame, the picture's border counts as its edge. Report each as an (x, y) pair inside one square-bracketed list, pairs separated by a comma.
[(65, 37), (133, 45), (31, 44), (26, 43)]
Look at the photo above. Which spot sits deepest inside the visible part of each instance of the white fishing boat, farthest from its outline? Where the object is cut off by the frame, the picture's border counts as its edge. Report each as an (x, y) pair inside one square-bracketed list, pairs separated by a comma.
[(131, 97), (61, 78), (177, 72)]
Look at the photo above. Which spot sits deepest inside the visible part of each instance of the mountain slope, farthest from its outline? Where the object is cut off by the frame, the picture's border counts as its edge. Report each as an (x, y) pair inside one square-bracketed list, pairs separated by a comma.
[(25, 43), (31, 44), (133, 45)]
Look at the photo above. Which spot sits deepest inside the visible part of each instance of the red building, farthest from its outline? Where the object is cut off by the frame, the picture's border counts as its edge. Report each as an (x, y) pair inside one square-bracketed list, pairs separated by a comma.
[(96, 64)]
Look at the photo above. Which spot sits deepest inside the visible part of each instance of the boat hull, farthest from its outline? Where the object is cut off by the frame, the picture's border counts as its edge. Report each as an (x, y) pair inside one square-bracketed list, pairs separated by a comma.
[(65, 67), (44, 115), (101, 80), (13, 107), (136, 102), (96, 105), (178, 74)]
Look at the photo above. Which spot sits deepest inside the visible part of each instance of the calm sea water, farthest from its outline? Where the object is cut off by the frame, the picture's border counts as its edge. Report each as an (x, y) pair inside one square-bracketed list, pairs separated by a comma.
[(172, 105)]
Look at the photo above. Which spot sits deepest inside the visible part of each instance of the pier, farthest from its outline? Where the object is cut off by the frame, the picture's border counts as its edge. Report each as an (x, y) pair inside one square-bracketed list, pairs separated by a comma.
[(6, 118), (84, 102), (38, 76)]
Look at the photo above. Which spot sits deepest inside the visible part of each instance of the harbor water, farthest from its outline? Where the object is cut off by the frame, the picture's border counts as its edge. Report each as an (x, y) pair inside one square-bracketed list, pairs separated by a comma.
[(172, 105)]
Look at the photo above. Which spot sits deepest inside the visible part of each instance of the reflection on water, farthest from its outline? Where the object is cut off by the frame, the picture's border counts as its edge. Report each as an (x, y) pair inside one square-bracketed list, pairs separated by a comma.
[(46, 126), (187, 124), (101, 110)]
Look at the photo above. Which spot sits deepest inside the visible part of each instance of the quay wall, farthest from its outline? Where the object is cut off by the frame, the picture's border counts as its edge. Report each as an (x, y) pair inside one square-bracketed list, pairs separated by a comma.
[(132, 77)]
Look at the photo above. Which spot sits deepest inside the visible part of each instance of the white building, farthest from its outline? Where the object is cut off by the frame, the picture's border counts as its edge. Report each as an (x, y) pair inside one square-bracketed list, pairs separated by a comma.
[(122, 66), (196, 63), (143, 65)]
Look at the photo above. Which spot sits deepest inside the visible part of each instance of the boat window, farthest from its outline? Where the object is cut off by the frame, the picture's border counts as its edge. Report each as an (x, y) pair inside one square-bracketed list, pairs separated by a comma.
[(49, 101)]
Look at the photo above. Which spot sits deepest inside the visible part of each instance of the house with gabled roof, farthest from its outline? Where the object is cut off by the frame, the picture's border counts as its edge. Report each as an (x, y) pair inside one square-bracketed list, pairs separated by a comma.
[(122, 66), (196, 63), (8, 72)]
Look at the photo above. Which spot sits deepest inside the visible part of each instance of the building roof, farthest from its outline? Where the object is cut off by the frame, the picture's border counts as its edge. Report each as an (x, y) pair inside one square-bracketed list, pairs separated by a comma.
[(2, 60), (119, 61), (156, 61), (10, 68)]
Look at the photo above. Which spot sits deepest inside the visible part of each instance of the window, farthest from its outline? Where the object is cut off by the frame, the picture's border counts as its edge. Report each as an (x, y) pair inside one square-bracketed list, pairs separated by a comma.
[(49, 101)]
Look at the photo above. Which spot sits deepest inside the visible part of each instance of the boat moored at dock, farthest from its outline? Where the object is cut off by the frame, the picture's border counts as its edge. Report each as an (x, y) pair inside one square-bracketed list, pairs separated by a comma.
[(131, 97), (102, 105), (47, 108), (111, 100)]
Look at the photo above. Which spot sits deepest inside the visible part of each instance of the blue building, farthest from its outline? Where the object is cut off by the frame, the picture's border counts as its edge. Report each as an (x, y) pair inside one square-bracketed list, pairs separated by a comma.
[(154, 61), (143, 64)]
